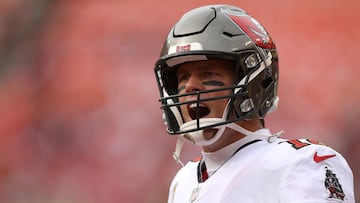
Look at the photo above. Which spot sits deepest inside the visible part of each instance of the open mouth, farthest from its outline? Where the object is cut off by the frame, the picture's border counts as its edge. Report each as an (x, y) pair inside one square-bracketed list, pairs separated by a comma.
[(198, 111)]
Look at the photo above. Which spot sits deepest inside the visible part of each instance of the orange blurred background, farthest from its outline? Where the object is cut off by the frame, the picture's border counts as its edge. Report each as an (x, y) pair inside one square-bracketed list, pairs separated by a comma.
[(79, 116)]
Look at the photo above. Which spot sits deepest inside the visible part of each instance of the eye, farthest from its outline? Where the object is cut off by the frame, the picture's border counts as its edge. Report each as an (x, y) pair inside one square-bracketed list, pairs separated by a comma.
[(210, 74), (183, 77)]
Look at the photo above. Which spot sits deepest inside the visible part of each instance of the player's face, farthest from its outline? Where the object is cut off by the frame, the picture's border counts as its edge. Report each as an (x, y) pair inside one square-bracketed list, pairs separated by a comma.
[(204, 75)]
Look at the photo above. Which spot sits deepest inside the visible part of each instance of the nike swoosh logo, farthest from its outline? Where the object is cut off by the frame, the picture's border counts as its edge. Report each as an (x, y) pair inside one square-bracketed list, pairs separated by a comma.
[(318, 158)]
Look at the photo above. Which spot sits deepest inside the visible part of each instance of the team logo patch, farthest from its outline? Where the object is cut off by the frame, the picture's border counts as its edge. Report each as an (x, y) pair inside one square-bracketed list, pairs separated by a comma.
[(333, 185)]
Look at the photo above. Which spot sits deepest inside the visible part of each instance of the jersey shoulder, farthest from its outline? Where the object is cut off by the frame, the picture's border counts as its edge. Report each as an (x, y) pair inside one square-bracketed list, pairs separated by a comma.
[(286, 152), (302, 147), (315, 168)]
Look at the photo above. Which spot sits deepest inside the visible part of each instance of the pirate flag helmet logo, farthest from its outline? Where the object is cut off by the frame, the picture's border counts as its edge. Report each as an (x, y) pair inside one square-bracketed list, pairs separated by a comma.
[(333, 186)]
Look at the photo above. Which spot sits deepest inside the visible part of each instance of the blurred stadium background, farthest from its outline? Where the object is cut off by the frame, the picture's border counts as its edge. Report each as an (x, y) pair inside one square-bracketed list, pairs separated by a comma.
[(79, 116)]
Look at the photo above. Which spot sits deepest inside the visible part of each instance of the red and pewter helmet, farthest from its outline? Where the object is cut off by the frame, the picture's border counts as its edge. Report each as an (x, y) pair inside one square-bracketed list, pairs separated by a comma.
[(219, 32)]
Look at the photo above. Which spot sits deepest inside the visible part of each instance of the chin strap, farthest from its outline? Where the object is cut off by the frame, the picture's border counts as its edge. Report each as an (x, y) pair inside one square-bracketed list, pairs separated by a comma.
[(249, 136), (197, 137)]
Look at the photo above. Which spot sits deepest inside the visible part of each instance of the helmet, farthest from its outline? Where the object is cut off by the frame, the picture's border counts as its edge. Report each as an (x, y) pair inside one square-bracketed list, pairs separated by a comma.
[(219, 32)]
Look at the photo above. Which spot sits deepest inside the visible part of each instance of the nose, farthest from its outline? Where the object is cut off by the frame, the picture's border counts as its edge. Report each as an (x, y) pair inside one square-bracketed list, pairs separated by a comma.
[(193, 84)]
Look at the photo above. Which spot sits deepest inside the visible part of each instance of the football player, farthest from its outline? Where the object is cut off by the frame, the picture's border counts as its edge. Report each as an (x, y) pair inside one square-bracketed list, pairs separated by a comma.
[(218, 76)]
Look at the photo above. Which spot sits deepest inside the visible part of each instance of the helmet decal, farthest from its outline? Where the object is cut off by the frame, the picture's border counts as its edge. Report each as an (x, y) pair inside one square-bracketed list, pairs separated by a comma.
[(252, 28), (185, 47)]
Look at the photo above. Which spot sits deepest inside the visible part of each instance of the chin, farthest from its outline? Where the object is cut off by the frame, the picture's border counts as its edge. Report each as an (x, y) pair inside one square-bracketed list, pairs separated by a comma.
[(210, 133)]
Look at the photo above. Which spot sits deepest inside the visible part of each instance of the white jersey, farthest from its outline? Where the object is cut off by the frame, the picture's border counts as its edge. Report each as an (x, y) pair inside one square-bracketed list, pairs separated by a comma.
[(281, 171)]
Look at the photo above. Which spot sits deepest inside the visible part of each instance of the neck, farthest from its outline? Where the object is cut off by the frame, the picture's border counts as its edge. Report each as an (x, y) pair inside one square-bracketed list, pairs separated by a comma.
[(214, 160)]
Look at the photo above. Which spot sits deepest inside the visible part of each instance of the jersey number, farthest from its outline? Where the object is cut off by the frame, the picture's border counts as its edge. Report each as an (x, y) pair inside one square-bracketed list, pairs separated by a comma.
[(298, 144)]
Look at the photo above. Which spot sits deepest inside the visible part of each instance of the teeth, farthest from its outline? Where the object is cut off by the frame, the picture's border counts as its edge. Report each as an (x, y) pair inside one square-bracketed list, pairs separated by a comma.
[(194, 105)]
